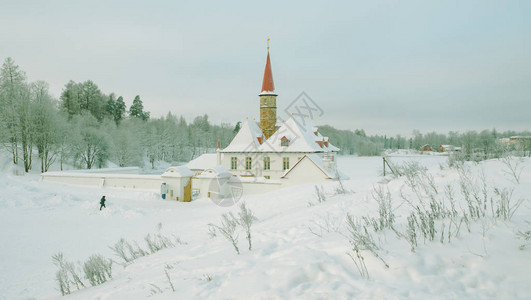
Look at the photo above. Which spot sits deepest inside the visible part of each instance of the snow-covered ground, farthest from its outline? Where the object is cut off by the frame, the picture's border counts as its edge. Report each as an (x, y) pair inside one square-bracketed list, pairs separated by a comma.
[(299, 250)]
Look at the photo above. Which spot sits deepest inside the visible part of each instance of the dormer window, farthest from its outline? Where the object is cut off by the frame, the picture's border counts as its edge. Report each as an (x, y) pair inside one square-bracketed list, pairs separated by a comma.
[(284, 142)]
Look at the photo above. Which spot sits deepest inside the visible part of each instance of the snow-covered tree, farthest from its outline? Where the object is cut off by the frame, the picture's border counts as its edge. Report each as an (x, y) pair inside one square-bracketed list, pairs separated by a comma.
[(46, 124), (90, 144), (127, 148), (13, 91)]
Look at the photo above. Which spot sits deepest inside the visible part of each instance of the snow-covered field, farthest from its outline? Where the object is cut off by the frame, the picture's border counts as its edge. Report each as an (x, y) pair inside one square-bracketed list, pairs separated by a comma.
[(299, 250)]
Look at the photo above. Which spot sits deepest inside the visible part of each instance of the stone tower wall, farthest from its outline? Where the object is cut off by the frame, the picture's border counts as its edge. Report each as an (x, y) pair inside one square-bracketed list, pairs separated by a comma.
[(268, 114)]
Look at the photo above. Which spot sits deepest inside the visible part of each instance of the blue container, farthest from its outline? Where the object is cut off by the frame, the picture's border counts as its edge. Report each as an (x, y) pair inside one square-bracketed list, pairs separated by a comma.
[(163, 190)]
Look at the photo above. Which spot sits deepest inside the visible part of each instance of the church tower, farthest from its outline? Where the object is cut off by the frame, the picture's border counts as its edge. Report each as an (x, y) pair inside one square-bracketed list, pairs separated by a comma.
[(268, 101)]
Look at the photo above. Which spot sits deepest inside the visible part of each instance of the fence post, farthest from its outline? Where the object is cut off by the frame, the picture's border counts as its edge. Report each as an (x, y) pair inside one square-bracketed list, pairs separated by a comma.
[(383, 160)]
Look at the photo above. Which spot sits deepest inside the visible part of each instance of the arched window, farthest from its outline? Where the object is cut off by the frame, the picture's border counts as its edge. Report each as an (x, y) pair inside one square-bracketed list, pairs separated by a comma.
[(284, 142)]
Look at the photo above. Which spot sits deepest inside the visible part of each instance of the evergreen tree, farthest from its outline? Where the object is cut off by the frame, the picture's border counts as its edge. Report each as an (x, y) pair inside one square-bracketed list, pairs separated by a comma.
[(92, 99), (111, 106), (137, 109), (237, 127), (119, 110)]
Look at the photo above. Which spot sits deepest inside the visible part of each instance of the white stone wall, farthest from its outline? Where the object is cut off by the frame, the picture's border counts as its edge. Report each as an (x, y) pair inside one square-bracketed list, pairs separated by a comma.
[(276, 170), (126, 181)]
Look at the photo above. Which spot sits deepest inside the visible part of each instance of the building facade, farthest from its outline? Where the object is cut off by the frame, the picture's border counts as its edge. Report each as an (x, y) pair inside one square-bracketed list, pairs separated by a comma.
[(271, 149)]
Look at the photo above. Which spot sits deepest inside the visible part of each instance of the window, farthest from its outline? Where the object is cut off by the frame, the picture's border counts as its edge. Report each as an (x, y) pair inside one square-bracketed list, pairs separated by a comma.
[(233, 163), (284, 142), (267, 163), (248, 163), (285, 163)]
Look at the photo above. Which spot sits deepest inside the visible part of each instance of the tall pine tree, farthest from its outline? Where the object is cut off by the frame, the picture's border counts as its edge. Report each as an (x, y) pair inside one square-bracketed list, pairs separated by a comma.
[(137, 109), (119, 110)]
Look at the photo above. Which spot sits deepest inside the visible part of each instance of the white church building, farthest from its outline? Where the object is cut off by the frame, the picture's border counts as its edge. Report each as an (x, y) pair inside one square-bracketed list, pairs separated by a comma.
[(291, 152), (261, 158)]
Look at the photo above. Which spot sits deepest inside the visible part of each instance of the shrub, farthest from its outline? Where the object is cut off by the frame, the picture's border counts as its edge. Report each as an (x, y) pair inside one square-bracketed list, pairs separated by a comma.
[(246, 219), (228, 229), (97, 269)]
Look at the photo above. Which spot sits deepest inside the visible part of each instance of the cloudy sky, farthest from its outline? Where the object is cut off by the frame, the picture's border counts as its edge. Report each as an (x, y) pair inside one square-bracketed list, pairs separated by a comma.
[(386, 66)]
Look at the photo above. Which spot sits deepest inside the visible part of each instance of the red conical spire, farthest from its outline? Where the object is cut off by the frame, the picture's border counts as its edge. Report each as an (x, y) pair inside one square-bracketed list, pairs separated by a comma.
[(268, 85)]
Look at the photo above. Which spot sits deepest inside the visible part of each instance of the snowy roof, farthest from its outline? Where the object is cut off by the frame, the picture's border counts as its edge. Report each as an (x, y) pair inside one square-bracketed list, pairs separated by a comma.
[(203, 162), (97, 175), (247, 139), (299, 132), (119, 170), (180, 171), (215, 172), (301, 138)]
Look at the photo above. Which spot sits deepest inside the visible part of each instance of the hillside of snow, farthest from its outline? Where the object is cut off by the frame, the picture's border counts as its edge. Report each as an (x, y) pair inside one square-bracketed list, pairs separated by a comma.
[(437, 232)]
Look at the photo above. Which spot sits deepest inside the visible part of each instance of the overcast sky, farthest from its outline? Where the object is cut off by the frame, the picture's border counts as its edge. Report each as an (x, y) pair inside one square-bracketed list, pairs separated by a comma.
[(385, 66)]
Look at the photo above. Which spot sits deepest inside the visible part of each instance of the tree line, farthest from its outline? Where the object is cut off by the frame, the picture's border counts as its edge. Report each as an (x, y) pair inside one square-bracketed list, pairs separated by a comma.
[(485, 143), (86, 127)]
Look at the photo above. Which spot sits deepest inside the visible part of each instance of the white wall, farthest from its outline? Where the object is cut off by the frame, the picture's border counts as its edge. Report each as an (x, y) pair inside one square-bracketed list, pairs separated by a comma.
[(205, 184), (305, 172), (126, 181), (259, 188), (276, 159)]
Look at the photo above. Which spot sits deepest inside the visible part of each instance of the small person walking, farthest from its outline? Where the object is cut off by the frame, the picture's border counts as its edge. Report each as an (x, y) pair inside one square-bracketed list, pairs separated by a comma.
[(102, 202)]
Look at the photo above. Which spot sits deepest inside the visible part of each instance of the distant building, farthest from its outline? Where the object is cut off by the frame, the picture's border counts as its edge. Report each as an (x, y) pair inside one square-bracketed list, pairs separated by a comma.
[(426, 147), (449, 148), (520, 139), (516, 140)]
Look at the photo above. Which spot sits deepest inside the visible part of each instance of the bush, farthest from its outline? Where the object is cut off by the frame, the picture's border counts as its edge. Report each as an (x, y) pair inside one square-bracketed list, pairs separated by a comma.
[(128, 252), (228, 229), (97, 269), (229, 225)]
